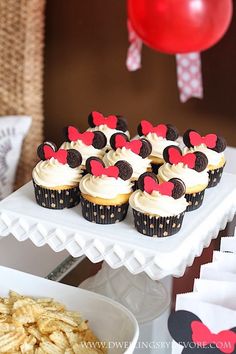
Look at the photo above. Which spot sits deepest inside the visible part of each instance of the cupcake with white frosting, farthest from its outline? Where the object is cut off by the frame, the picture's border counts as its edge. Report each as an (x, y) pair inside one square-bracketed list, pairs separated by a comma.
[(57, 176), (191, 169), (160, 136), (87, 143), (105, 191), (135, 152), (213, 147), (158, 209), (107, 125)]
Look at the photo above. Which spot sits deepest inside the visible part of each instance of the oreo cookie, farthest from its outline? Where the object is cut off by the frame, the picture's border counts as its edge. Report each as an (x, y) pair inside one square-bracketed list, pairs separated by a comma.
[(88, 163), (114, 137), (125, 169), (142, 177), (172, 132), (41, 152), (74, 158), (201, 161), (121, 123), (179, 188), (99, 140), (146, 148)]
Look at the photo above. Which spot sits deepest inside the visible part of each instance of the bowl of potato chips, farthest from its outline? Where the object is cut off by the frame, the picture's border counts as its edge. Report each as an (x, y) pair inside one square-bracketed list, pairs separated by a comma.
[(41, 316)]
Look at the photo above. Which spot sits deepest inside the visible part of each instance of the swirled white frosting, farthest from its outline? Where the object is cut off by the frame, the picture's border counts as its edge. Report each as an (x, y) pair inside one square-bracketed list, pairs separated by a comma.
[(157, 204), (189, 176), (85, 150), (138, 164), (108, 132), (214, 157), (51, 173), (104, 187), (159, 144)]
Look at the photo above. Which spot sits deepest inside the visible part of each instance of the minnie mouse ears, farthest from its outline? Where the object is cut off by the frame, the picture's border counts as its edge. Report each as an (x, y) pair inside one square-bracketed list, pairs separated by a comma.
[(97, 139), (96, 167), (214, 142), (174, 188), (47, 150), (188, 330), (166, 131), (197, 160), (141, 147), (113, 121)]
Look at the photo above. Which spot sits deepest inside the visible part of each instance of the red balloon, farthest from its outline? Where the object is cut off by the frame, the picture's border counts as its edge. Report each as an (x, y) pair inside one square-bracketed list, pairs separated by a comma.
[(180, 26)]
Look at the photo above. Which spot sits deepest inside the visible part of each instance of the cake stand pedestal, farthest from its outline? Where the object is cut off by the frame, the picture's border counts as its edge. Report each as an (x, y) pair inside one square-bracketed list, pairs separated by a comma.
[(120, 245), (148, 300)]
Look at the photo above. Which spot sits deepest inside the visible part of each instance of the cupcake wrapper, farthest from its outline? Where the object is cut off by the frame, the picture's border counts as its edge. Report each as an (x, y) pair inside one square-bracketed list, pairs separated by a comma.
[(155, 167), (103, 214), (57, 199), (157, 226), (195, 200), (215, 176)]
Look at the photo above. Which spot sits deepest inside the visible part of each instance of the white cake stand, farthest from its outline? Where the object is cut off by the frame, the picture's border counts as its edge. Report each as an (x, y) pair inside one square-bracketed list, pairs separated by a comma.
[(120, 245)]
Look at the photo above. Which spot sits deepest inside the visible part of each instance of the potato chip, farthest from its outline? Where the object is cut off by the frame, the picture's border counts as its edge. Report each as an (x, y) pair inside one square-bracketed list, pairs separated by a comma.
[(28, 345), (51, 348), (61, 317), (59, 339), (39, 351), (35, 333), (73, 338), (11, 341), (5, 308), (69, 351), (28, 313), (43, 326)]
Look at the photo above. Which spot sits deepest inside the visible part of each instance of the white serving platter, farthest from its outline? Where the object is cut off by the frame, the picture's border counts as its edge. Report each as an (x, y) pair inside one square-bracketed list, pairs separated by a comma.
[(120, 244), (109, 320)]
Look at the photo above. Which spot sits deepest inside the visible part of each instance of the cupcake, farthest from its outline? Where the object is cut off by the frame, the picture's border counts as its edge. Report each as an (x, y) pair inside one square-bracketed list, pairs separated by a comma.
[(57, 176), (212, 146), (107, 125), (160, 136), (158, 209), (105, 191), (87, 143), (136, 152), (191, 169)]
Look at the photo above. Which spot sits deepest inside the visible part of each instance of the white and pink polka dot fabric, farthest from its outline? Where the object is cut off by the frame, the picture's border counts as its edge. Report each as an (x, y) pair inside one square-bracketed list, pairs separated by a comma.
[(188, 67), (133, 60), (189, 76)]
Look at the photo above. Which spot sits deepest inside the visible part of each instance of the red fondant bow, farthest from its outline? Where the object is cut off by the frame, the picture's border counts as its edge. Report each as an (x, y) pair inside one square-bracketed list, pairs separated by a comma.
[(165, 188), (74, 135), (134, 145), (175, 157), (159, 130), (209, 140), (224, 340), (97, 170), (99, 119), (60, 155)]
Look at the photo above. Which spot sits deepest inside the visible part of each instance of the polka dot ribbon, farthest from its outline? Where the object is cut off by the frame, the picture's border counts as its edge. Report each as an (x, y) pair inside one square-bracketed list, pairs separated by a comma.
[(188, 67), (189, 76), (133, 60)]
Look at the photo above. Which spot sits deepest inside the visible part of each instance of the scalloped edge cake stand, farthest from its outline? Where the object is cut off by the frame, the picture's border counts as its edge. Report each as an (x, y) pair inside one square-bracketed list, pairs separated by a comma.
[(120, 245)]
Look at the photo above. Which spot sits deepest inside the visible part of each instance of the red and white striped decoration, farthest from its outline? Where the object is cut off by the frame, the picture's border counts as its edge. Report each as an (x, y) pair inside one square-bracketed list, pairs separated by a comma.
[(189, 72), (133, 60)]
